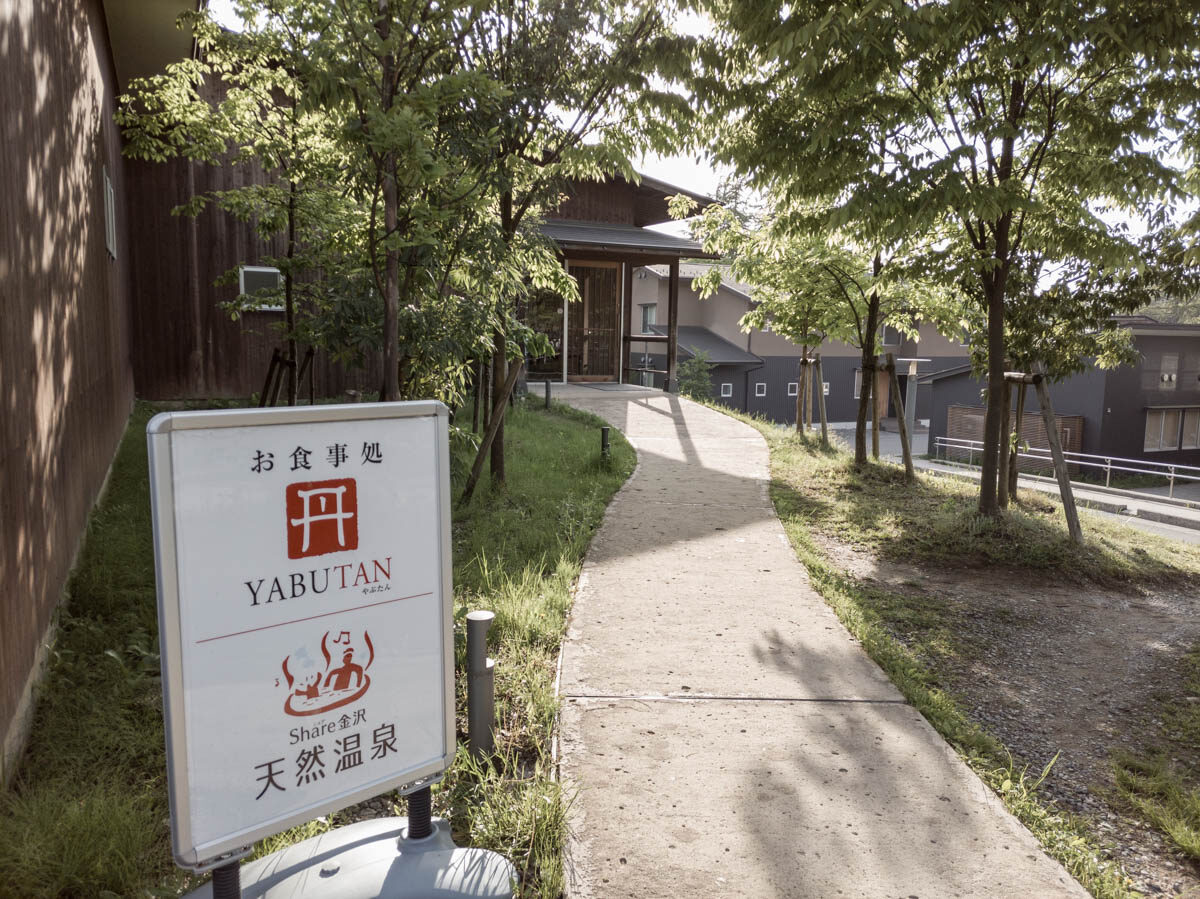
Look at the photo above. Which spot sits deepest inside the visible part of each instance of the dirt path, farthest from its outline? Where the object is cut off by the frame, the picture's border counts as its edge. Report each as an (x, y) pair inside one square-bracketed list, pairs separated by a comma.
[(1071, 671)]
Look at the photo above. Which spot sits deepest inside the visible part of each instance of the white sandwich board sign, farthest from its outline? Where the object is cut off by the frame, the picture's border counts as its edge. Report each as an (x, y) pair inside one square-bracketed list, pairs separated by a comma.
[(303, 561)]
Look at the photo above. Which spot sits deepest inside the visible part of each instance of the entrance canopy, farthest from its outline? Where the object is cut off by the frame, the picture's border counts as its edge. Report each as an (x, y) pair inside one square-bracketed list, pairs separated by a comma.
[(593, 337)]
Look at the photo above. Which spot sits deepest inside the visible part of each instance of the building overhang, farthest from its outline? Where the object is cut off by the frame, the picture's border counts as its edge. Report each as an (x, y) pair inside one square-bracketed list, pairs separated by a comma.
[(629, 242), (144, 37)]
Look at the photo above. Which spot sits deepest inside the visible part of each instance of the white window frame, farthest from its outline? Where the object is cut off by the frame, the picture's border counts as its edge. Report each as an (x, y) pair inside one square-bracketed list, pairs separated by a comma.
[(793, 388), (726, 390), (1168, 374), (883, 336), (1191, 441), (652, 308), (110, 216), (825, 388), (1162, 447), (258, 268), (858, 380), (760, 388)]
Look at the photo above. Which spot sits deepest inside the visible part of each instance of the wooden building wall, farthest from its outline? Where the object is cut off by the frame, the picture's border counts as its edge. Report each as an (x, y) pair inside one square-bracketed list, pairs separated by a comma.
[(185, 345), (65, 379), (966, 423)]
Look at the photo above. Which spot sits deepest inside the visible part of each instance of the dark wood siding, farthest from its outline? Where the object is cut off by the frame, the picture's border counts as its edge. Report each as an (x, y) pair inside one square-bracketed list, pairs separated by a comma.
[(966, 423), (612, 202), (65, 379), (185, 345)]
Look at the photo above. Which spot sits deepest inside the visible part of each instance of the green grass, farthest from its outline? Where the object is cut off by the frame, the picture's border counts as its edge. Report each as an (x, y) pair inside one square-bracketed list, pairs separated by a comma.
[(818, 492), (934, 522), (87, 813), (1163, 791)]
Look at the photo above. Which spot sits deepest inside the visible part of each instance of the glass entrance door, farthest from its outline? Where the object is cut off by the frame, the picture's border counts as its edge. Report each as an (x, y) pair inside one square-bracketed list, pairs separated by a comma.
[(593, 324)]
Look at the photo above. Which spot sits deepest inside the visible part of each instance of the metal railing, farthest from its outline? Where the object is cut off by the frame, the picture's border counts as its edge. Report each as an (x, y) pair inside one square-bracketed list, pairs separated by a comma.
[(1170, 472)]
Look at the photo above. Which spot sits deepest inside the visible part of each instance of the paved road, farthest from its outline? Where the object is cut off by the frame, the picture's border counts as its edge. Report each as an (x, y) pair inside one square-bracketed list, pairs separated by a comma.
[(725, 735)]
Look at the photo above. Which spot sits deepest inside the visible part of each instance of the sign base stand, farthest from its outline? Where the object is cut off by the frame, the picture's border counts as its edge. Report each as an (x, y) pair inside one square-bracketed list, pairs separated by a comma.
[(375, 858)]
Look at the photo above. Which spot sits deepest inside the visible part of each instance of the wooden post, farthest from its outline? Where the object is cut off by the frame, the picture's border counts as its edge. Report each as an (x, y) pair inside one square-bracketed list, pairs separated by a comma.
[(627, 327), (802, 395), (1005, 428), (821, 401), (672, 384), (875, 410), (1014, 460), (809, 402), (799, 395), (489, 435), (1056, 454), (905, 449), (265, 396)]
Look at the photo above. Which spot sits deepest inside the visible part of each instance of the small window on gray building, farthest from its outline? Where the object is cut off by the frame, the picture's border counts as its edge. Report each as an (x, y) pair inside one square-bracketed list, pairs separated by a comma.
[(649, 312), (1162, 429), (889, 336), (727, 390), (1168, 371), (793, 388), (857, 382), (1191, 429), (253, 278), (760, 388), (110, 216), (825, 388)]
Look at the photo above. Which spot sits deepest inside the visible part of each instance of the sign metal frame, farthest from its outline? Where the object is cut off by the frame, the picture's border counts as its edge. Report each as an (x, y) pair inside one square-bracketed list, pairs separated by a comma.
[(159, 432)]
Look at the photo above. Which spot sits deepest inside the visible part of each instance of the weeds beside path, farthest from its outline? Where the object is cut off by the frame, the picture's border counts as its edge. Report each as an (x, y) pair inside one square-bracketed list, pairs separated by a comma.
[(1037, 660), (87, 814)]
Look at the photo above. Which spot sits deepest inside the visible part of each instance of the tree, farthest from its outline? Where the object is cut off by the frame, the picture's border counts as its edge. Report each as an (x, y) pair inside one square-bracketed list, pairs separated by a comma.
[(577, 102), (809, 286), (1009, 124), (238, 103), (416, 124)]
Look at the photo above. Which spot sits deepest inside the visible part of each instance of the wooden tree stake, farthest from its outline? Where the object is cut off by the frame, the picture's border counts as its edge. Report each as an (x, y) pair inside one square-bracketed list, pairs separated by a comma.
[(905, 448), (821, 402), (1014, 459), (1060, 462), (875, 410), (1005, 430), (489, 435)]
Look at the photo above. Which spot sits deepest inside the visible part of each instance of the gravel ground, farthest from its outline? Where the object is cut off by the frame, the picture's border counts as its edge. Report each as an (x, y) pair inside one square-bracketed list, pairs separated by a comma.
[(1075, 672)]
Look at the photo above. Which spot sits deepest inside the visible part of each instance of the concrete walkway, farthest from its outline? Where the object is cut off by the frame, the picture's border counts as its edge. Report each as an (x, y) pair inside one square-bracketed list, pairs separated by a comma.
[(724, 734)]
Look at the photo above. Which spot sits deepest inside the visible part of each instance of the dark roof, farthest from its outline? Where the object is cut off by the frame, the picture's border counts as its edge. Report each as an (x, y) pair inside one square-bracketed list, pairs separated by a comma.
[(694, 340), (965, 368), (630, 238), (652, 186)]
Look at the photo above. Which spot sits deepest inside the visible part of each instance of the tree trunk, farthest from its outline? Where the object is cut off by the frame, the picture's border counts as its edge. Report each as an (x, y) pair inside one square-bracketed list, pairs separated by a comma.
[(391, 295), (289, 301), (868, 376), (800, 393), (499, 375), (994, 288), (508, 227), (490, 434), (905, 447), (821, 401), (875, 412)]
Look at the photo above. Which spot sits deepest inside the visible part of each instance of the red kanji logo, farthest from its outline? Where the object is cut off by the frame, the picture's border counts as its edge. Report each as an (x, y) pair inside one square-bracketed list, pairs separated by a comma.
[(322, 517)]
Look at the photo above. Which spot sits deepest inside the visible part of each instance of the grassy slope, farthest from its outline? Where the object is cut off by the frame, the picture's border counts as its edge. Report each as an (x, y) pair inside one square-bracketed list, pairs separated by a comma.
[(933, 523), (88, 812)]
